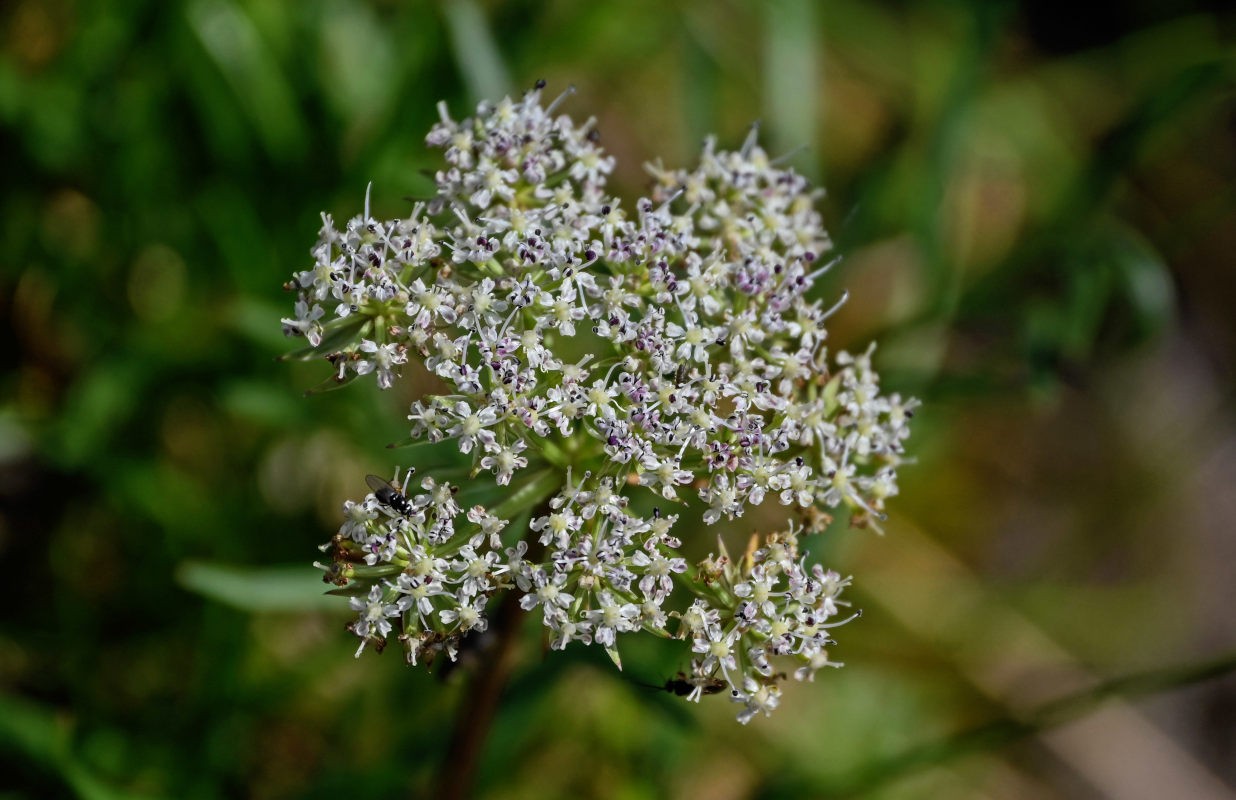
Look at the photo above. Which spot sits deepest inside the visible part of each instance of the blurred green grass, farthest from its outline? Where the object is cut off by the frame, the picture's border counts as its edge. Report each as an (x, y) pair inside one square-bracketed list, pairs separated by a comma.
[(1037, 217)]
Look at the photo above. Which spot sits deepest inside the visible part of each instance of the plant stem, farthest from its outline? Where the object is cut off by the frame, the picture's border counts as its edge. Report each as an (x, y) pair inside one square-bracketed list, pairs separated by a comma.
[(480, 703)]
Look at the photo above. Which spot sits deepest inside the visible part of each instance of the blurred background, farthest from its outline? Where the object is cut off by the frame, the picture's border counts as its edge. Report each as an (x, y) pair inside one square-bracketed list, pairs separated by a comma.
[(1036, 205)]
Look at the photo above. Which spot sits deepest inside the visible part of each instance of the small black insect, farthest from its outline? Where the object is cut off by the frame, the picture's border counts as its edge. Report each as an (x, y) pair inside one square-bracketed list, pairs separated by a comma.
[(388, 495), (681, 686)]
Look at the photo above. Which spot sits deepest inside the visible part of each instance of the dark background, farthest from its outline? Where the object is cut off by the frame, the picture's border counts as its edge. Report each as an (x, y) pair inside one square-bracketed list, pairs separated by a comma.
[(1036, 205)]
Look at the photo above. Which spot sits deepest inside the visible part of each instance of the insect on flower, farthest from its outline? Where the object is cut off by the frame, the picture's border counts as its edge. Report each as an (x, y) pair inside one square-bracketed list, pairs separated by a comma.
[(388, 495), (683, 686)]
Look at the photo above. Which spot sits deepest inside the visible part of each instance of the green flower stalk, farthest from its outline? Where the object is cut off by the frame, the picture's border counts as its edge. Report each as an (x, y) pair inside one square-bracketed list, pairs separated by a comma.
[(670, 350)]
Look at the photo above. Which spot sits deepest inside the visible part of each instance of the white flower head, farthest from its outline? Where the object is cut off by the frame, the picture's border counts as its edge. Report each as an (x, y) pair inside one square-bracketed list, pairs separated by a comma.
[(587, 360)]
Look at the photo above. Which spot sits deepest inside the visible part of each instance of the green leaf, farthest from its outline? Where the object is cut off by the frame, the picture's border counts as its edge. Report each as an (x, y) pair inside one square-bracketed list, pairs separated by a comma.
[(476, 53), (410, 442), (1144, 279), (269, 589), (353, 589), (517, 529), (791, 45), (246, 62), (529, 493), (332, 383), (43, 736), (335, 335)]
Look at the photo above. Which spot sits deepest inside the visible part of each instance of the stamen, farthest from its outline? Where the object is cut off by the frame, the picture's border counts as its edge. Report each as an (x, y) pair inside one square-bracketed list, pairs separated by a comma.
[(686, 442), (507, 324), (787, 156), (850, 618), (752, 136), (822, 269), (677, 194), (845, 295), (570, 90)]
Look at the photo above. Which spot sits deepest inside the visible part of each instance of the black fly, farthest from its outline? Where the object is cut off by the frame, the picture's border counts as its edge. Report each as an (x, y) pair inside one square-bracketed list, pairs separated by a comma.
[(682, 686), (388, 495)]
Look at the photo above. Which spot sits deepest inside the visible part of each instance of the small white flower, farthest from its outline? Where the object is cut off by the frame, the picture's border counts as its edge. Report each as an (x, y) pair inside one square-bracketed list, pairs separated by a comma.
[(504, 460), (357, 516), (558, 527), (471, 426), (464, 619), (758, 698), (374, 619), (383, 358), (305, 323)]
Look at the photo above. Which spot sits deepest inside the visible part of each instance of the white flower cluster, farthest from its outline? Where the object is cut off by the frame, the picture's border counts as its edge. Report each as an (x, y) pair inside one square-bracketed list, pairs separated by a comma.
[(608, 572), (768, 605), (673, 347), (418, 568)]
